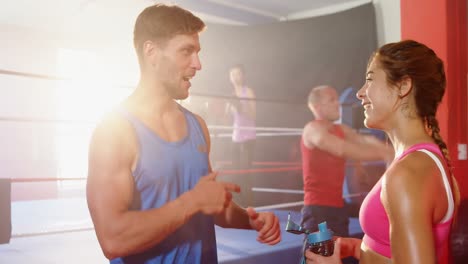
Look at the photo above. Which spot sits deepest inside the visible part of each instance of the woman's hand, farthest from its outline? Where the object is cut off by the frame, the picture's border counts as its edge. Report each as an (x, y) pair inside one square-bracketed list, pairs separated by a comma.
[(350, 247), (312, 258)]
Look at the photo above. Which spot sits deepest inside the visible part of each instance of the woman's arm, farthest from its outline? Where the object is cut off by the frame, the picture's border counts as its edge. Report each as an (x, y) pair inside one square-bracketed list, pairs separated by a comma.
[(408, 195)]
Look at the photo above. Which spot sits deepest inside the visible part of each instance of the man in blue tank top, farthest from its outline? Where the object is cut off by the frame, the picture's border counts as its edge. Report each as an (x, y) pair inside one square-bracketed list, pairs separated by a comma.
[(152, 195)]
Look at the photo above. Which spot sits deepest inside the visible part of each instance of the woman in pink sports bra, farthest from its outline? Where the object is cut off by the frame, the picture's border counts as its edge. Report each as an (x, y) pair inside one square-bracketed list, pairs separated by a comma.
[(406, 217)]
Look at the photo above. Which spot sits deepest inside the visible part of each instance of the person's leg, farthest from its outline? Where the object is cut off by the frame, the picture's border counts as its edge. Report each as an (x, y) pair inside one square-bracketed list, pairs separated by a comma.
[(236, 151), (308, 220), (338, 221), (313, 215), (248, 152), (336, 218), (246, 157)]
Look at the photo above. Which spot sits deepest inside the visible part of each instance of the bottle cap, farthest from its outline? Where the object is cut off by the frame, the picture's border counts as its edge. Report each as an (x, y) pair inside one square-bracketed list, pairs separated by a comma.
[(321, 235), (294, 228)]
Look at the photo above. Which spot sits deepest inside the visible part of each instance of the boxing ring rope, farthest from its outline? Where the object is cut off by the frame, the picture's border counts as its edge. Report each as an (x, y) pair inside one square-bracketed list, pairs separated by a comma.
[(292, 131), (13, 180), (292, 204), (225, 172), (48, 233), (255, 189), (273, 190)]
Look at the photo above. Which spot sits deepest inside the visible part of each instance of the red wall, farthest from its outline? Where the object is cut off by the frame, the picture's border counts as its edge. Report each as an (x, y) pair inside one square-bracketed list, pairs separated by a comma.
[(442, 25)]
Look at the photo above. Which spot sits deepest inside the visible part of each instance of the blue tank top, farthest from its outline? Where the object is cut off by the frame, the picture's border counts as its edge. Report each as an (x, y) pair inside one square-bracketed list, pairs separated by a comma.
[(164, 171)]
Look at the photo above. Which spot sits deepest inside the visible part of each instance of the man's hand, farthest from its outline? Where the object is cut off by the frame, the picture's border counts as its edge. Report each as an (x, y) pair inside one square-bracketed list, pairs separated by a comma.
[(267, 226), (211, 196)]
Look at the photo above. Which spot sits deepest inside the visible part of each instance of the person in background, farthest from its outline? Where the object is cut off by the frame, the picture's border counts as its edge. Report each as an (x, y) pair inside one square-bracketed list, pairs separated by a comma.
[(325, 147), (243, 112), (407, 216)]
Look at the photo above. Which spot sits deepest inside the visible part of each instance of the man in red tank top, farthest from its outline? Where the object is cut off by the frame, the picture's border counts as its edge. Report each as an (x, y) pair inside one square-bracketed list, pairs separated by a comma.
[(325, 147)]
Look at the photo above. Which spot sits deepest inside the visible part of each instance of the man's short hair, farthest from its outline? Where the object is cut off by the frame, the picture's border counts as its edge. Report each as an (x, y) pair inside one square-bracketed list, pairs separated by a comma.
[(316, 93), (162, 22)]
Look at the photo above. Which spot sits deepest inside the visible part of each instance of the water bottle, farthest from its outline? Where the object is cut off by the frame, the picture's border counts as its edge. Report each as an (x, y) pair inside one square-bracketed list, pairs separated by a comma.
[(321, 242)]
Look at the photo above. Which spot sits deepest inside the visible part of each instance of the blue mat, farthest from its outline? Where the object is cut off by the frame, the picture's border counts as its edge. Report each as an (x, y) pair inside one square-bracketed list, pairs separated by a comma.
[(241, 246), (234, 246)]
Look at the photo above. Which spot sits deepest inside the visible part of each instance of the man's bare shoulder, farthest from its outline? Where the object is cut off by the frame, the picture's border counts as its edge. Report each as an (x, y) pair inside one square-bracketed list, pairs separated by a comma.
[(250, 92), (315, 134), (199, 119), (346, 128), (315, 126), (112, 128)]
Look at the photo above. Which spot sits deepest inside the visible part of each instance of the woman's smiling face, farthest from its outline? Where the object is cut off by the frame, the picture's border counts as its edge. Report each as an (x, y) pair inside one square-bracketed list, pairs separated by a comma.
[(378, 97)]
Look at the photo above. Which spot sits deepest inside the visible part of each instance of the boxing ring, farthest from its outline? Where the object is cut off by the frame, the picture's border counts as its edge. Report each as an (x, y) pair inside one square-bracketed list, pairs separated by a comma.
[(52, 231), (47, 208), (66, 228)]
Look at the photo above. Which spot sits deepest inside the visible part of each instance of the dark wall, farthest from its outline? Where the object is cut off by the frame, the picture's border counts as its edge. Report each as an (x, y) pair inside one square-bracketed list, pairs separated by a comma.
[(284, 60)]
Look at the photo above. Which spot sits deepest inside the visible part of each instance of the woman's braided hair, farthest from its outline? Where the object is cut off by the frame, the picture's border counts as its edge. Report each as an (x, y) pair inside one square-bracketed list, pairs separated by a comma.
[(426, 70), (415, 60)]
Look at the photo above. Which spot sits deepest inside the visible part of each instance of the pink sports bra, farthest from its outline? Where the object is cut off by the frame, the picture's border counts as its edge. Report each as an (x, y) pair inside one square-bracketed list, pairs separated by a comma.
[(374, 220)]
